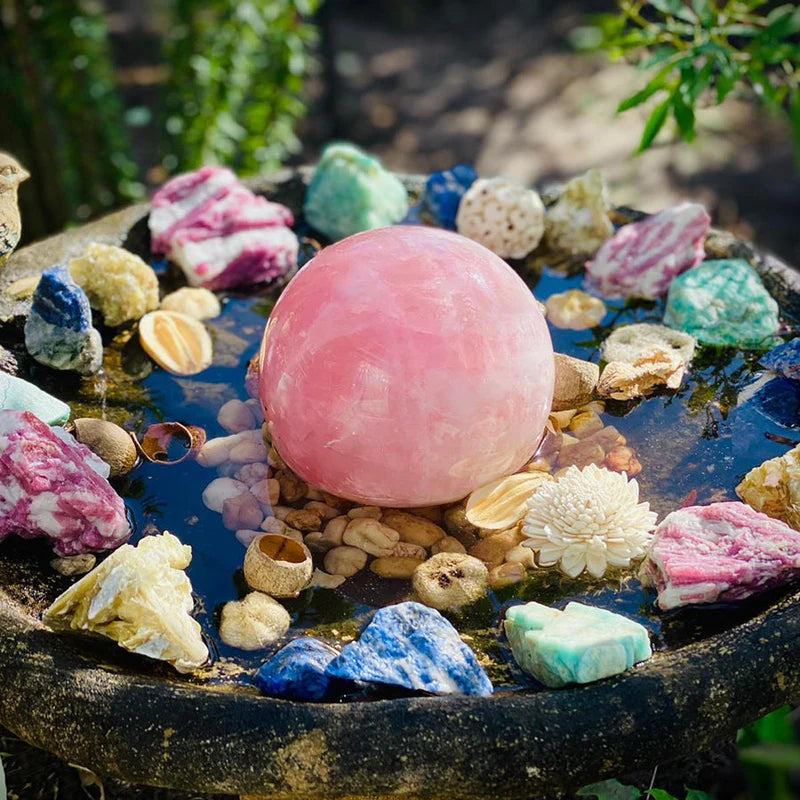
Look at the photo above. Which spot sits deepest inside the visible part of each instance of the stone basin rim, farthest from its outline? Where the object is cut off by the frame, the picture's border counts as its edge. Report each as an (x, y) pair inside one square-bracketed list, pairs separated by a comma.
[(161, 732)]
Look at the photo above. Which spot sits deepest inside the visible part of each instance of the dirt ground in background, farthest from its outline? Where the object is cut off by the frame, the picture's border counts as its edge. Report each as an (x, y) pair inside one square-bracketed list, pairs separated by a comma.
[(495, 84)]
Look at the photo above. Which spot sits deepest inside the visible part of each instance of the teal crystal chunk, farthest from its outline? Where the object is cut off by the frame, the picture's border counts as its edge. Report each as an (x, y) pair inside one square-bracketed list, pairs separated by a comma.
[(352, 192), (723, 303), (580, 644), (19, 395)]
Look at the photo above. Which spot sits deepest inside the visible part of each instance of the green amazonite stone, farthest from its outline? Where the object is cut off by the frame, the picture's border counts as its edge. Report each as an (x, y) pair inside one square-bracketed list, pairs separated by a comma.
[(352, 192), (19, 395), (580, 644), (723, 303)]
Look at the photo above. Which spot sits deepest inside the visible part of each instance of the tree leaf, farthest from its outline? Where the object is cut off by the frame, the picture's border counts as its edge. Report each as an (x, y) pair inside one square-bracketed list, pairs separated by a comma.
[(726, 79), (660, 794), (3, 790), (609, 790), (704, 11), (654, 124), (684, 113), (772, 754), (674, 8), (658, 82), (696, 794)]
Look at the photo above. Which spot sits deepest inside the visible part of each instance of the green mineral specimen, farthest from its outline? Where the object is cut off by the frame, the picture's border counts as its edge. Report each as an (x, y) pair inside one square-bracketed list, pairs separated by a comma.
[(19, 395), (352, 192), (723, 303), (580, 644)]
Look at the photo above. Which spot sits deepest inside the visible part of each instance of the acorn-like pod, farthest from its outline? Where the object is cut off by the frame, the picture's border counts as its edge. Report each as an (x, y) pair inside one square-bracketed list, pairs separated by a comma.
[(278, 566), (108, 441)]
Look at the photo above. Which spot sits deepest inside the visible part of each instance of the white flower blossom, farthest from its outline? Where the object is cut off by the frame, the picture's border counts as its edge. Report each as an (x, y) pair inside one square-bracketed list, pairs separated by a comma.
[(590, 519)]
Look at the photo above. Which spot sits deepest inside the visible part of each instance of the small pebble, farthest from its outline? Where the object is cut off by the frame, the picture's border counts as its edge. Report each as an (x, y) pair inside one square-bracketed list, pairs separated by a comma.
[(575, 382), (241, 511), (220, 490), (235, 417), (69, 566)]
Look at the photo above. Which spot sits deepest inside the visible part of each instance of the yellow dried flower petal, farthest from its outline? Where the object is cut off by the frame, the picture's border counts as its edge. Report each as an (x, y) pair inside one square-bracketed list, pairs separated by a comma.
[(503, 503), (176, 342)]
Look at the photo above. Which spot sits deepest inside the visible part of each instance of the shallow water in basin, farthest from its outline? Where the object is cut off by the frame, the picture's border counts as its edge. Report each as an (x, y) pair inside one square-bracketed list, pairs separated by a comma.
[(692, 440)]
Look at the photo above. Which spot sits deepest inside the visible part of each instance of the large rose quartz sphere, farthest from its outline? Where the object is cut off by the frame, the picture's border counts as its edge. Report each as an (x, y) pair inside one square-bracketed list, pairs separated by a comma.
[(406, 366)]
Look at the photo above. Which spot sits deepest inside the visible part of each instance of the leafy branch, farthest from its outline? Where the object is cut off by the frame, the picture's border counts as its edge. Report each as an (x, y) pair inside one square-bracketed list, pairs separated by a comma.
[(699, 51)]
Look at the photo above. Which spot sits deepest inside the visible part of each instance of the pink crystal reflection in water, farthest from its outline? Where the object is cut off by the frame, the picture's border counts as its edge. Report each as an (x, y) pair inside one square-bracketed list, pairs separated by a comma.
[(406, 366)]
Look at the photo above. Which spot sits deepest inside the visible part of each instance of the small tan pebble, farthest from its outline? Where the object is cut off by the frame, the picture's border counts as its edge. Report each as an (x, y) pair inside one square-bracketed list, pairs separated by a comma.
[(254, 622), (369, 512), (411, 528), (507, 574), (561, 419), (256, 410), (433, 513), (448, 545), (22, 288), (551, 443), (314, 494), (292, 488), (316, 542), (408, 550), (623, 459), (395, 566), (240, 448), (608, 438), (281, 511), (585, 424), (74, 565), (325, 580), (235, 417), (333, 500), (598, 406), (108, 441), (502, 503), (521, 555), (278, 566), (575, 310), (581, 454), (252, 473), (219, 490), (492, 550), (345, 561), (274, 459), (450, 581), (459, 527), (242, 511), (305, 521), (334, 530), (245, 537), (177, 343), (575, 382), (267, 492), (539, 465), (272, 524), (371, 536), (323, 509), (194, 302)]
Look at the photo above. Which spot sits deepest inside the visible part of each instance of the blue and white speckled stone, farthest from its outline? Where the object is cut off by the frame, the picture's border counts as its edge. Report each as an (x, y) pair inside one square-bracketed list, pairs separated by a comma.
[(412, 646), (784, 359), (580, 644), (297, 671), (58, 331), (444, 190)]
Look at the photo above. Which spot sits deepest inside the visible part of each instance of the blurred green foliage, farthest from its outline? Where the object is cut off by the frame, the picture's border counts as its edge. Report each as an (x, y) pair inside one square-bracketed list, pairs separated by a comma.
[(232, 95), (236, 77), (699, 51)]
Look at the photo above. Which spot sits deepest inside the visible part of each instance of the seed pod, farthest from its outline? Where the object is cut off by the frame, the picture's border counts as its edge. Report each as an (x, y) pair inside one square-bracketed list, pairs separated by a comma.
[(450, 581), (278, 566), (108, 441)]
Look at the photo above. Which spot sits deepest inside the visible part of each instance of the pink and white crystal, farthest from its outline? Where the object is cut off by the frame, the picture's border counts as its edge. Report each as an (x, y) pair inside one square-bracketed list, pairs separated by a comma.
[(406, 366), (219, 232), (52, 486), (643, 258), (717, 553)]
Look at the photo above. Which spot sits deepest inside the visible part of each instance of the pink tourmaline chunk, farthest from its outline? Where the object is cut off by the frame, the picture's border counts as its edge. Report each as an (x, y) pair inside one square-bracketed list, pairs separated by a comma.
[(643, 258), (405, 367), (50, 485), (719, 552)]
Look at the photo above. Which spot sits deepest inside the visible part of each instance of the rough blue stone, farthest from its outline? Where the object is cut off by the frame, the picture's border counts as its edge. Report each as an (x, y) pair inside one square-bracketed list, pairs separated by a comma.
[(413, 646), (61, 302), (784, 359), (779, 400), (444, 190), (297, 671)]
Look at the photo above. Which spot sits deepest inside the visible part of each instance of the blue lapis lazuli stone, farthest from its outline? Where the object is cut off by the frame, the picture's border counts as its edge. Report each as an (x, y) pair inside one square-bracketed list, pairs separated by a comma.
[(297, 671), (59, 301), (784, 359), (415, 647), (444, 190), (779, 401)]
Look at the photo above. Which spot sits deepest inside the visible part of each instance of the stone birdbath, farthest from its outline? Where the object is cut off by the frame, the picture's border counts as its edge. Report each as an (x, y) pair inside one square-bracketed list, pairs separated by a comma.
[(118, 714)]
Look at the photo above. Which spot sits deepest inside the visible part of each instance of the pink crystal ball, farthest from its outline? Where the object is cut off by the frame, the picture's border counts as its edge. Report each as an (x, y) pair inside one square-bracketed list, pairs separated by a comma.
[(406, 366)]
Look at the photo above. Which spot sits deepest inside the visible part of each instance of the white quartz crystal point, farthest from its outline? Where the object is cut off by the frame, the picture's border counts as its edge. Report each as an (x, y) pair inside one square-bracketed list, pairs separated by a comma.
[(141, 598)]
